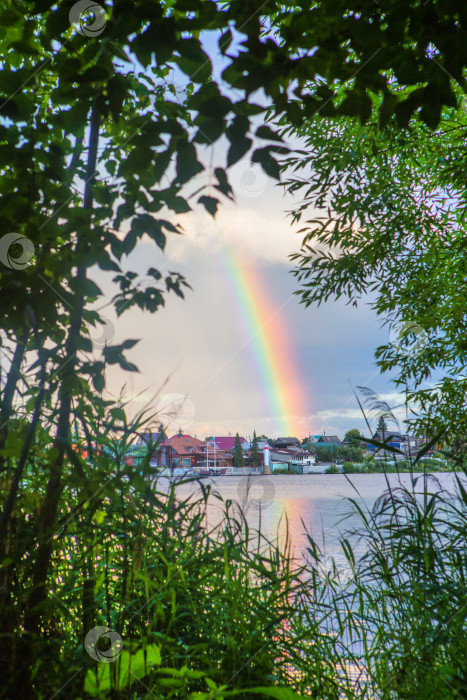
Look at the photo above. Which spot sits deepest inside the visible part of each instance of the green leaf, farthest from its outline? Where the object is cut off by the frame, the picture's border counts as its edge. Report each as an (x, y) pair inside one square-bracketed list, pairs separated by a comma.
[(84, 287), (239, 142), (264, 132), (424, 449), (193, 61), (146, 224), (138, 665), (356, 104), (131, 667), (154, 273), (127, 344), (273, 692), (210, 203), (187, 164), (118, 414), (222, 183), (383, 445), (97, 681), (99, 517), (127, 366), (209, 103), (106, 263), (161, 164), (113, 355), (278, 693), (99, 382), (267, 162)]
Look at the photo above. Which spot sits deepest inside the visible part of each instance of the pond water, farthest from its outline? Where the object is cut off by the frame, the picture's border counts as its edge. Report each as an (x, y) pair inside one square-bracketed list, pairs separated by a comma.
[(317, 503)]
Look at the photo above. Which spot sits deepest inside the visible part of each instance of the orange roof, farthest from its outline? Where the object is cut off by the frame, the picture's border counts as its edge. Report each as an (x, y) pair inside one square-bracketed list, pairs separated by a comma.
[(180, 444)]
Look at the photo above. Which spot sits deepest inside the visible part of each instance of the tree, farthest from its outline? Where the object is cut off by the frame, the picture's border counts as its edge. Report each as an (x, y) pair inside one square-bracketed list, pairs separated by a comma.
[(382, 426), (97, 150), (350, 454), (310, 446), (392, 224), (406, 54), (325, 453), (353, 437), (179, 432), (254, 451), (238, 456)]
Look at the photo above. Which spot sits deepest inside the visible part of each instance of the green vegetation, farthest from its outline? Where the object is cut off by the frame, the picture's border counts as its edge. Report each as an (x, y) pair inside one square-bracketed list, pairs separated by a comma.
[(389, 209), (237, 453), (333, 469), (329, 453), (254, 451), (98, 150), (139, 561), (349, 468), (411, 585), (98, 146), (382, 426), (372, 466), (353, 437)]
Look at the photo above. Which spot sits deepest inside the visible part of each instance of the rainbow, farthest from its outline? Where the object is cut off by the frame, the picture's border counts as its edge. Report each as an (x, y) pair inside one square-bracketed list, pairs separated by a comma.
[(269, 339)]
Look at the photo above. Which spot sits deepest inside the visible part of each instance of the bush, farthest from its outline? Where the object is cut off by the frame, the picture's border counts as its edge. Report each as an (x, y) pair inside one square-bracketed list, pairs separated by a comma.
[(333, 469), (350, 468), (431, 465), (349, 454)]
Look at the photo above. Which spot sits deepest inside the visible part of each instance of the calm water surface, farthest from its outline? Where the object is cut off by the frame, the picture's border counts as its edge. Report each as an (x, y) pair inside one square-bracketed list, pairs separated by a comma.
[(318, 503)]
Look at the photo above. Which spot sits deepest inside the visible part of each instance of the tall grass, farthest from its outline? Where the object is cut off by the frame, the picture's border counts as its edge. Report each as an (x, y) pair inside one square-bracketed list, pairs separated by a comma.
[(201, 612), (400, 609), (412, 584), (223, 611)]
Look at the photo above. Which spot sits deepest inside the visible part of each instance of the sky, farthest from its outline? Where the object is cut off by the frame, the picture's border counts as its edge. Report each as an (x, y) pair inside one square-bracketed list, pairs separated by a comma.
[(240, 353)]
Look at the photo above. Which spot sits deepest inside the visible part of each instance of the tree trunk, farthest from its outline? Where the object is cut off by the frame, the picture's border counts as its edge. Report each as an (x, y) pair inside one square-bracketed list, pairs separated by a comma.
[(49, 509)]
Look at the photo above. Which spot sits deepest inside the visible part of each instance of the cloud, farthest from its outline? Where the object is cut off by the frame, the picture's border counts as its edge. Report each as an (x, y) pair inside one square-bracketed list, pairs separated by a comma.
[(264, 237)]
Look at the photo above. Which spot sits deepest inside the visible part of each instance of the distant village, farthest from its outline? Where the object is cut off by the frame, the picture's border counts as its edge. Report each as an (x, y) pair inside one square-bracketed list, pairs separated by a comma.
[(219, 455)]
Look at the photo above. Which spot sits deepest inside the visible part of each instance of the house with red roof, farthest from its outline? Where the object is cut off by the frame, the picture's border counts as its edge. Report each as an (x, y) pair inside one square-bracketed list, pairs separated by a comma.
[(224, 443), (187, 451), (178, 451)]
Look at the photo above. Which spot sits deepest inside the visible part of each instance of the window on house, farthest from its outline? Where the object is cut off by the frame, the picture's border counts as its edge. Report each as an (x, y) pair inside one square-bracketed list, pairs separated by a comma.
[(186, 462)]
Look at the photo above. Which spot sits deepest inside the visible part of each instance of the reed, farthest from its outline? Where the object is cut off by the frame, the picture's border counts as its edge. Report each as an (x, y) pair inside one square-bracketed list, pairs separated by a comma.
[(198, 611)]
